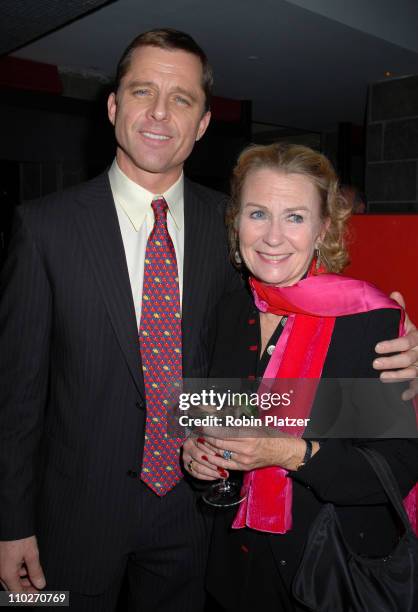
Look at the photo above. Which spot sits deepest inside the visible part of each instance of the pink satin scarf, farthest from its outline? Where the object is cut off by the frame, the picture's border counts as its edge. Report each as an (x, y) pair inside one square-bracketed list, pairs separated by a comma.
[(312, 306)]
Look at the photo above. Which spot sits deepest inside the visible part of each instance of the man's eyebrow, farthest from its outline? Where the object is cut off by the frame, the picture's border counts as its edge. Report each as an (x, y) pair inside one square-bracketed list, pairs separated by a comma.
[(138, 83)]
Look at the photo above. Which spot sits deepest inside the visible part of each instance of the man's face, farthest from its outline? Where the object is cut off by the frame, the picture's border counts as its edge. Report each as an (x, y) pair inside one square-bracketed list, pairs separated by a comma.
[(158, 114)]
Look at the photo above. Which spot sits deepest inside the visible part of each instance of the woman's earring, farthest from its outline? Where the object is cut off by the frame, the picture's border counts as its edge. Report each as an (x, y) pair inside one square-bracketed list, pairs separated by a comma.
[(237, 257), (318, 258)]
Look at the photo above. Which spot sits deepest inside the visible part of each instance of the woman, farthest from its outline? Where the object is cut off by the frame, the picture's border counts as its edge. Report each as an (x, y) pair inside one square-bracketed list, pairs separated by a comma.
[(286, 222)]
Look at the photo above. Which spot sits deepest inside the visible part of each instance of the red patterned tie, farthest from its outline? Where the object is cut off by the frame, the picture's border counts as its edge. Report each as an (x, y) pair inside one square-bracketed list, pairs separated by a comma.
[(160, 343)]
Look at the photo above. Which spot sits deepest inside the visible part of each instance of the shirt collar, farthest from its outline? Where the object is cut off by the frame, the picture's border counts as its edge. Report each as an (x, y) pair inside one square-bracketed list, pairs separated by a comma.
[(136, 201)]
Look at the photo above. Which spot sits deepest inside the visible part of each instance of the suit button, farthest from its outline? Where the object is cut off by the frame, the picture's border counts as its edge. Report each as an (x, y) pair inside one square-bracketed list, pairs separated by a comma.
[(283, 562), (140, 404), (132, 474)]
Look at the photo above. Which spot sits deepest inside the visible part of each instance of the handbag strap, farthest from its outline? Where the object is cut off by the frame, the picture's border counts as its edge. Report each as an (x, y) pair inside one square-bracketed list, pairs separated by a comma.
[(385, 475)]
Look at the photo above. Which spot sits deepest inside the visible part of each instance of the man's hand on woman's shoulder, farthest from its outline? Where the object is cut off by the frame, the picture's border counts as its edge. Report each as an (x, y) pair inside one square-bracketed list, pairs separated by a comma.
[(402, 364)]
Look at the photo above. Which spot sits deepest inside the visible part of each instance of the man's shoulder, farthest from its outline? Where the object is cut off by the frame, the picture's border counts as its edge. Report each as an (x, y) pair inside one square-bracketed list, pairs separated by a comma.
[(93, 189), (205, 194)]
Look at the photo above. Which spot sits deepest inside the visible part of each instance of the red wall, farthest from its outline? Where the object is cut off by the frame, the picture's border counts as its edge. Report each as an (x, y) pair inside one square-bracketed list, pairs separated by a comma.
[(18, 73), (384, 250)]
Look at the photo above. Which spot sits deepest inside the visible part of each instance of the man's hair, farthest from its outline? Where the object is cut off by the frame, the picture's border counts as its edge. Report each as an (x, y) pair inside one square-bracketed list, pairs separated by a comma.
[(171, 40)]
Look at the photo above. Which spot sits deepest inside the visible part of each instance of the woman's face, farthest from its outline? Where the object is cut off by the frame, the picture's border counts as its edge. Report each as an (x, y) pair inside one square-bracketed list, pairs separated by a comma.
[(279, 225)]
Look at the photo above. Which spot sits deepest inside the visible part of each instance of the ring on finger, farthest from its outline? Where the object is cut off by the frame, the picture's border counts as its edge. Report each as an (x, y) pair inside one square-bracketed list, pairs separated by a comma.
[(227, 455), (190, 465)]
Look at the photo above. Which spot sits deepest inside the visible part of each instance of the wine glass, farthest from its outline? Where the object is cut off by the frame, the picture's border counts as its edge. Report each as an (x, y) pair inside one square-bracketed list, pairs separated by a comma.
[(228, 491)]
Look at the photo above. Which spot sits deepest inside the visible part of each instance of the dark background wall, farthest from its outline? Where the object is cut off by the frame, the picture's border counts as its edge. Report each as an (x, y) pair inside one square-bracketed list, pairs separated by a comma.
[(48, 143), (392, 146)]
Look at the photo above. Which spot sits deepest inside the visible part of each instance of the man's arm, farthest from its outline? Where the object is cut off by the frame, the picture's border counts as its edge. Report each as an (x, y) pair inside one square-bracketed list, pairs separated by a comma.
[(405, 359), (25, 312)]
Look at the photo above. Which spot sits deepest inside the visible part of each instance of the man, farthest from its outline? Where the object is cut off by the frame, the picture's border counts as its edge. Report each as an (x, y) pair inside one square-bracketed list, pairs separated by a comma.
[(69, 318), (82, 277)]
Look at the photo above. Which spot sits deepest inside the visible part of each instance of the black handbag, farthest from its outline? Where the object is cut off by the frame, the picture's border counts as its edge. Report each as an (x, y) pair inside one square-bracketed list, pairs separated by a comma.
[(333, 578)]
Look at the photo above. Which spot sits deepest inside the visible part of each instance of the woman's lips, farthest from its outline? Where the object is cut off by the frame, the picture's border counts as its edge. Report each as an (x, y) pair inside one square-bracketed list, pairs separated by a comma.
[(273, 259)]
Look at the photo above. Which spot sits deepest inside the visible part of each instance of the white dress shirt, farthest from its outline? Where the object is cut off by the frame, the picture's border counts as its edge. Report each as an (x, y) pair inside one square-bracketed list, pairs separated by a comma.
[(136, 220)]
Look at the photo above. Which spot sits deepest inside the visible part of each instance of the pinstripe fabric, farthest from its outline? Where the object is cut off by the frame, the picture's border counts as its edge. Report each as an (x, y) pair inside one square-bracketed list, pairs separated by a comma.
[(171, 552), (165, 569), (70, 375)]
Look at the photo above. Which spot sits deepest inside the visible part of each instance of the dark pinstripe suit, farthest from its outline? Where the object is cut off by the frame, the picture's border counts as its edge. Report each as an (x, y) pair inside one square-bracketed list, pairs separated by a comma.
[(71, 379)]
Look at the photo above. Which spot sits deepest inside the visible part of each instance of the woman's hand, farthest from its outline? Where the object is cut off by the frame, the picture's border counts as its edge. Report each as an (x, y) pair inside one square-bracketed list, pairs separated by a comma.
[(251, 453), (196, 461)]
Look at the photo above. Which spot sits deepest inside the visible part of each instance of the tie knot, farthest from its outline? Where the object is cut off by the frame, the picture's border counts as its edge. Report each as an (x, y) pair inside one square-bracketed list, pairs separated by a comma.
[(159, 206)]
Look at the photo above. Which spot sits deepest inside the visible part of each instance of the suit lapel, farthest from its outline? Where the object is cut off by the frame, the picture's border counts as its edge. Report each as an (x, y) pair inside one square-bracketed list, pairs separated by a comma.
[(99, 228), (196, 267)]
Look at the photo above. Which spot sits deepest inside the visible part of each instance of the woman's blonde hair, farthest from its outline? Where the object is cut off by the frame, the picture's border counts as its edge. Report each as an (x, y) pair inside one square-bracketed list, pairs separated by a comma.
[(295, 159)]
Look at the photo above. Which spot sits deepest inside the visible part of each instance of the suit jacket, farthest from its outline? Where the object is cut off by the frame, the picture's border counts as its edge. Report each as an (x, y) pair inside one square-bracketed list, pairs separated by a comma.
[(338, 473), (72, 413)]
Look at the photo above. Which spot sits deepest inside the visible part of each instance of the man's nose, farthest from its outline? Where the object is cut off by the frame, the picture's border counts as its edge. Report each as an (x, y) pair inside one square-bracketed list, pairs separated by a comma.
[(159, 109)]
